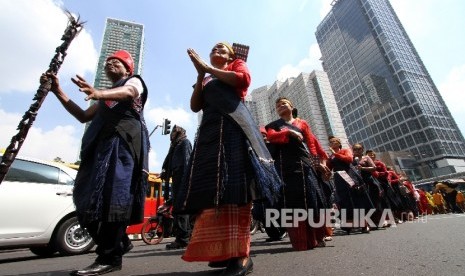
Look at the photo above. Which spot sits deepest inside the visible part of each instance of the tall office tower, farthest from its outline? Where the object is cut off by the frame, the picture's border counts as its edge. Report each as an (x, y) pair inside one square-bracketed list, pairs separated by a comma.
[(120, 35), (385, 95), (311, 94), (262, 101)]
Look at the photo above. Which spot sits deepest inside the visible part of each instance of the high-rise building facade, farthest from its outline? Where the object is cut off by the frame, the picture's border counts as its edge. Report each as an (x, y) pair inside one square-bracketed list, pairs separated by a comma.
[(263, 108), (120, 35), (311, 94), (251, 106), (385, 95)]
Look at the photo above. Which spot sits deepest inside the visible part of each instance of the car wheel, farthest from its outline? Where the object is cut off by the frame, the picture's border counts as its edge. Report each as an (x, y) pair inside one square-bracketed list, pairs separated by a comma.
[(44, 251), (72, 239)]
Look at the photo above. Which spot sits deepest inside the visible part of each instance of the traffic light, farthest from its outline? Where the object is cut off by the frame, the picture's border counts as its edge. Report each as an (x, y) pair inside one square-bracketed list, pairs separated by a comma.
[(166, 127)]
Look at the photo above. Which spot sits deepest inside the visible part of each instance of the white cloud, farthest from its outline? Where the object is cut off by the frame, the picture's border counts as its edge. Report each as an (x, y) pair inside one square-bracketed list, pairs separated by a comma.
[(31, 31), (26, 53), (65, 141), (312, 60), (168, 98), (307, 64), (154, 163), (453, 93), (160, 143), (419, 25), (302, 5), (28, 47), (8, 127), (325, 7), (177, 115), (287, 71), (60, 141)]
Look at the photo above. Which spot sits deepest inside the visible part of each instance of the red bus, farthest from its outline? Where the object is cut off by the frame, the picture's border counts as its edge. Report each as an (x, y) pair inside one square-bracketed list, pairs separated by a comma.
[(153, 200)]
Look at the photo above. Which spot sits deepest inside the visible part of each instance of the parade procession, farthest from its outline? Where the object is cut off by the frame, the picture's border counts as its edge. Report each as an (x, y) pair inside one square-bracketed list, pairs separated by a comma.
[(175, 147)]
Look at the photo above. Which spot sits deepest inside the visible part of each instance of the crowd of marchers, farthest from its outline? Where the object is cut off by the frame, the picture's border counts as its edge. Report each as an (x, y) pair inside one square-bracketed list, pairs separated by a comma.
[(234, 165)]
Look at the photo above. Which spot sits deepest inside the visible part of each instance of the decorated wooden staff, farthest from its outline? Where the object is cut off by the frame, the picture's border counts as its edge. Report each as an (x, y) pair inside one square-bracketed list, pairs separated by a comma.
[(71, 31)]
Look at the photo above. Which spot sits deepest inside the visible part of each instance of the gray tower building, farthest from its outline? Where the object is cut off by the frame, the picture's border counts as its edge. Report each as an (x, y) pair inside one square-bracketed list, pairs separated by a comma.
[(385, 95), (264, 108), (312, 96), (120, 35), (252, 106)]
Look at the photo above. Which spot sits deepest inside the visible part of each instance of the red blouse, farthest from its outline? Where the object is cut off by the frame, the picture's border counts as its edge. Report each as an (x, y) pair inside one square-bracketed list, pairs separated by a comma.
[(282, 137), (345, 155), (243, 76), (393, 178), (409, 185), (381, 170)]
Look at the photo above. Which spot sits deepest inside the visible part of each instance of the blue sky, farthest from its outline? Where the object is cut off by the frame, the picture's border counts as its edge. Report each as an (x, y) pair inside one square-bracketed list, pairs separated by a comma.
[(280, 34)]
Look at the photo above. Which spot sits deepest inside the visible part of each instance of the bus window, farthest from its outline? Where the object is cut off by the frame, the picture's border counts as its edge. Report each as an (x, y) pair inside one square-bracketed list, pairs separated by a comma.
[(169, 189), (153, 187), (148, 192), (156, 190)]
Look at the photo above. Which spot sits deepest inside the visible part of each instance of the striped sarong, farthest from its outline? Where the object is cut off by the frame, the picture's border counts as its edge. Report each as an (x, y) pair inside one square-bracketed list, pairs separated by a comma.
[(220, 234), (304, 237)]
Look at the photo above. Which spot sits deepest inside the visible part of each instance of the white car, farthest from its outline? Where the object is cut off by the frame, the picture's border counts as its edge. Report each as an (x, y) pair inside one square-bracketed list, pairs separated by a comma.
[(37, 210)]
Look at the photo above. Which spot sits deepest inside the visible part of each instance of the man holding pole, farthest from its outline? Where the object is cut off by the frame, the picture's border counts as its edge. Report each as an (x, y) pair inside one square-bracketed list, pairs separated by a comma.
[(110, 186)]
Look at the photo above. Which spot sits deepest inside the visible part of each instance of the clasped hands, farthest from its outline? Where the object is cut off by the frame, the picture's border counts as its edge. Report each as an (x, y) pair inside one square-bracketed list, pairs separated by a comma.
[(200, 65)]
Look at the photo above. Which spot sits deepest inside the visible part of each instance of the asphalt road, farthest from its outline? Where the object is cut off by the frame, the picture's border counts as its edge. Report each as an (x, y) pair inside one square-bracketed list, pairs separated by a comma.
[(432, 246)]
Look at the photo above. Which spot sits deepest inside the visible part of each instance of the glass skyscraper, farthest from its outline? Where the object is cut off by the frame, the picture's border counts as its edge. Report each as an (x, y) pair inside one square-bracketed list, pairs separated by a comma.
[(384, 93), (120, 35)]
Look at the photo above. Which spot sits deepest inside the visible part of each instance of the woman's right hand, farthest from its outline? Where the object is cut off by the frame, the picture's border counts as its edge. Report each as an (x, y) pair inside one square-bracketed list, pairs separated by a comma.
[(295, 134)]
